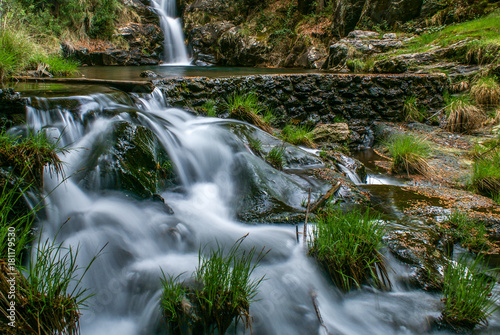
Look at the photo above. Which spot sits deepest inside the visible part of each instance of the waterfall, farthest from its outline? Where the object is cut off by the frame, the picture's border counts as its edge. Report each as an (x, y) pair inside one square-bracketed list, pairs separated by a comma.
[(143, 239), (174, 49)]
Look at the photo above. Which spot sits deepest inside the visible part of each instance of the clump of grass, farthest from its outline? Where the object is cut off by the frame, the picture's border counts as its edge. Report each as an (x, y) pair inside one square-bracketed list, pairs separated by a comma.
[(409, 154), (460, 86), (246, 107), (467, 295), (223, 292), (15, 49), (209, 108), (255, 145), (482, 52), (411, 110), (355, 65), (275, 157), (469, 233), (54, 64), (486, 174), (28, 156), (462, 115), (347, 245), (298, 135), (486, 91)]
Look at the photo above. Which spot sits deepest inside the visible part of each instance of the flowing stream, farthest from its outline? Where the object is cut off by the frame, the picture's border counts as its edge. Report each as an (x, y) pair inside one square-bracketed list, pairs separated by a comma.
[(213, 165), (174, 49)]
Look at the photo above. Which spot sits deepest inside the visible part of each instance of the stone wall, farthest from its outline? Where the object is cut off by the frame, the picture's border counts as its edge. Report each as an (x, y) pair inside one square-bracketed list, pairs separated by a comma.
[(309, 99)]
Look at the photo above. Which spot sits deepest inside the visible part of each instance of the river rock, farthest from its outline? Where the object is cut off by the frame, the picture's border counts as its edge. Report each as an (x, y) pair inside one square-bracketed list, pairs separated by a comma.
[(331, 133), (390, 66), (132, 161), (12, 108)]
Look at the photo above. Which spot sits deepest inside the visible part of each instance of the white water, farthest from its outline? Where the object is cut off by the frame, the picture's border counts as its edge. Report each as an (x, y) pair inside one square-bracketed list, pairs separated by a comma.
[(142, 238), (174, 48)]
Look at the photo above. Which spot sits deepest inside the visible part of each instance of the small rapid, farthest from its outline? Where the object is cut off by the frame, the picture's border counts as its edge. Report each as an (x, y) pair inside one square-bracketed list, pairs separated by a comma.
[(143, 237)]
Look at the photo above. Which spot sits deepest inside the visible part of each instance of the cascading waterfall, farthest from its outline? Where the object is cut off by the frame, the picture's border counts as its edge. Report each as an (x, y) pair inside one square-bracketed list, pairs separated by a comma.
[(143, 237), (174, 49)]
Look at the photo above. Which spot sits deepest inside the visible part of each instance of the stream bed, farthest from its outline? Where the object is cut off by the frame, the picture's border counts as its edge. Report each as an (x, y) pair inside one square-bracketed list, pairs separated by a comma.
[(219, 183)]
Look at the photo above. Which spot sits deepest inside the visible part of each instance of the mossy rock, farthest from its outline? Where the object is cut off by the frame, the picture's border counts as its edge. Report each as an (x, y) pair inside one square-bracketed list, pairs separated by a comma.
[(130, 160)]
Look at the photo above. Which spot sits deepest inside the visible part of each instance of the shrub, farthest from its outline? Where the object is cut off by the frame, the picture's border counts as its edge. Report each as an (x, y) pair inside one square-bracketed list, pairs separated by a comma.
[(223, 292), (486, 91), (347, 246), (462, 115), (275, 157), (467, 295), (409, 154), (298, 135)]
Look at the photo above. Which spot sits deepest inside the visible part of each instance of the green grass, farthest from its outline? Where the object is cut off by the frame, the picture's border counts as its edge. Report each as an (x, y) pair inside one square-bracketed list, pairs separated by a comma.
[(298, 135), (355, 65), (409, 154), (469, 233), (29, 155), (486, 91), (486, 175), (54, 64), (209, 108), (15, 51), (223, 292), (275, 157), (347, 245), (246, 107), (467, 295), (411, 111), (255, 145)]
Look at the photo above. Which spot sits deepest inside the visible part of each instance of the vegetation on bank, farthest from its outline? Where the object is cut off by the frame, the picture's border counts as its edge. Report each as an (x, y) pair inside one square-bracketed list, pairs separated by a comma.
[(246, 107), (45, 303), (31, 31), (409, 154), (222, 292), (347, 246)]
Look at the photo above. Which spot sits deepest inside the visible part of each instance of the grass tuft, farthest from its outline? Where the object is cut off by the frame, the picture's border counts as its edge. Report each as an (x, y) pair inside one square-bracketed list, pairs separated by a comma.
[(462, 115), (223, 293), (486, 174), (209, 108), (409, 154), (467, 295), (246, 107), (411, 110), (298, 135), (275, 157), (486, 91), (469, 233), (347, 246)]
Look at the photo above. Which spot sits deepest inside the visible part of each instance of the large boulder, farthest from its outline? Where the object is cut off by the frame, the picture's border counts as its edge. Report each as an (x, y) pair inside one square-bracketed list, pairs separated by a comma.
[(236, 49), (331, 133), (391, 65), (131, 160)]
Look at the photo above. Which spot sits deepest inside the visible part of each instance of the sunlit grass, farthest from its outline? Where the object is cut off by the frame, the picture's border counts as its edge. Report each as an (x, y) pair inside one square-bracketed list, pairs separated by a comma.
[(409, 154)]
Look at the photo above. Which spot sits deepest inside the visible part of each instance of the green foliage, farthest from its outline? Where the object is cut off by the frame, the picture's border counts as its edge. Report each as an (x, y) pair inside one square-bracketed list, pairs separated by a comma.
[(246, 107), (28, 156), (223, 292), (471, 235), (467, 295), (409, 154), (411, 110), (209, 108), (275, 157), (255, 145), (486, 174), (55, 64), (347, 246), (355, 65), (15, 50), (298, 135)]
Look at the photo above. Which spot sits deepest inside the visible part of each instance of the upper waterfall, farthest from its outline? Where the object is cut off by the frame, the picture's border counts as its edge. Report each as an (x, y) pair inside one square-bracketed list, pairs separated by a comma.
[(174, 49)]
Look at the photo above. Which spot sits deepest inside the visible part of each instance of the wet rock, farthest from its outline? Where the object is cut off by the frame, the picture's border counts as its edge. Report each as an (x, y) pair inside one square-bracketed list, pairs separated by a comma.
[(131, 160), (237, 49), (149, 74), (364, 34), (12, 108), (145, 42), (389, 66), (331, 133)]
